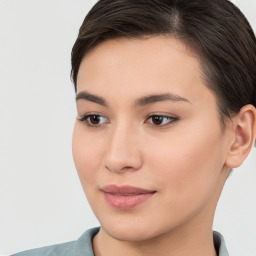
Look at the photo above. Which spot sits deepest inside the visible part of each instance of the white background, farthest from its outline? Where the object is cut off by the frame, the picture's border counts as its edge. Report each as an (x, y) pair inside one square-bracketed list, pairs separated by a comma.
[(41, 200)]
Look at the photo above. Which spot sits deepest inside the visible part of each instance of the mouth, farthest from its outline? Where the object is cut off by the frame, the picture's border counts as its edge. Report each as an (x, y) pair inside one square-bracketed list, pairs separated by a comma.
[(125, 197)]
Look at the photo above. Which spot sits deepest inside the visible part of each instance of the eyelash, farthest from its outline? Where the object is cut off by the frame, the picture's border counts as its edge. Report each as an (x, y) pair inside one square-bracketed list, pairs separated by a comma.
[(171, 119), (85, 119)]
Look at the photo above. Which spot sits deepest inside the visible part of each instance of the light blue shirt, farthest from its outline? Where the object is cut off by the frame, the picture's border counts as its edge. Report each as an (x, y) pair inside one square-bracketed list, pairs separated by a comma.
[(83, 246)]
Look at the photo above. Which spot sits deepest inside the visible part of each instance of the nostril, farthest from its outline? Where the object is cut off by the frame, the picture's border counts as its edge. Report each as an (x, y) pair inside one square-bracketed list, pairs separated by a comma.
[(125, 168)]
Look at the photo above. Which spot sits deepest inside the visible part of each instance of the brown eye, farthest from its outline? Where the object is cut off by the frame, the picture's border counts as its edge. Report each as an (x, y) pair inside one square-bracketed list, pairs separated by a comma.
[(93, 120), (157, 120), (160, 120)]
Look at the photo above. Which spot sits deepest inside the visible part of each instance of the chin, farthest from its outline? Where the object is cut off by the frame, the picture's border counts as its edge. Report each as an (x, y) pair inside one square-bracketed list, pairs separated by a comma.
[(129, 235), (133, 231)]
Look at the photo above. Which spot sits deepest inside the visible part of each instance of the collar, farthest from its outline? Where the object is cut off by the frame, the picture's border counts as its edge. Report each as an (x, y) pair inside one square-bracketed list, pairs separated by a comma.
[(84, 243), (219, 244)]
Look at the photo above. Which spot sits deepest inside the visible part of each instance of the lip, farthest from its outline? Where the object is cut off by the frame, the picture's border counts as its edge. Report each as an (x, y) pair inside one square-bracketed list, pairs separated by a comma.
[(125, 197)]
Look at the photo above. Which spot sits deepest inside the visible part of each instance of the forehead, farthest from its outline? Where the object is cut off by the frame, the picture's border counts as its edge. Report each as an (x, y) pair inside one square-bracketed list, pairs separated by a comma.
[(139, 66), (157, 48)]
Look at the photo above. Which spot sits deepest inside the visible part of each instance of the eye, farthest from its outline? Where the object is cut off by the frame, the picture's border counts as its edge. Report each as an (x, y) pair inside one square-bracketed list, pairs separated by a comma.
[(161, 120), (93, 120)]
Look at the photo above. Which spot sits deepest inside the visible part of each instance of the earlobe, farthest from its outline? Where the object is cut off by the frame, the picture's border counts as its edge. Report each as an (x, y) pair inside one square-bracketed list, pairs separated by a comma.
[(243, 139)]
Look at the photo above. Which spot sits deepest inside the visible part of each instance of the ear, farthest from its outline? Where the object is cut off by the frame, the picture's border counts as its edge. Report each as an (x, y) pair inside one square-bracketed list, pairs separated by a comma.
[(243, 136)]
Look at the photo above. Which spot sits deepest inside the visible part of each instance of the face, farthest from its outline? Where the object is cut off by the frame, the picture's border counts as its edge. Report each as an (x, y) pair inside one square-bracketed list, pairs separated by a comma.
[(147, 142)]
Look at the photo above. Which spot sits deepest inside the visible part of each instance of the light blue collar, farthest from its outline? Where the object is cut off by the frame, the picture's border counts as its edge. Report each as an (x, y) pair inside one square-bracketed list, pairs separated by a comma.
[(84, 243)]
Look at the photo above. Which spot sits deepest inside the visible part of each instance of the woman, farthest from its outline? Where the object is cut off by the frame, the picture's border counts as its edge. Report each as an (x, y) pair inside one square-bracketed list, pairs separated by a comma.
[(166, 96)]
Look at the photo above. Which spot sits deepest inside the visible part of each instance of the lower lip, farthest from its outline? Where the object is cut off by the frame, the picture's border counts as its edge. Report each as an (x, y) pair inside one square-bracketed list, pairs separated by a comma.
[(126, 202)]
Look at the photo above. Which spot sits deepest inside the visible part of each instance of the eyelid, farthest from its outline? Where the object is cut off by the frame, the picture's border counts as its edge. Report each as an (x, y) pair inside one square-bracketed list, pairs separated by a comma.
[(164, 115), (84, 119), (172, 118)]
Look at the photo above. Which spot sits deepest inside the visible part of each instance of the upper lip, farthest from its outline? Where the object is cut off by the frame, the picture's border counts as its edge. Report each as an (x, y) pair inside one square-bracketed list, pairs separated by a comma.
[(125, 190)]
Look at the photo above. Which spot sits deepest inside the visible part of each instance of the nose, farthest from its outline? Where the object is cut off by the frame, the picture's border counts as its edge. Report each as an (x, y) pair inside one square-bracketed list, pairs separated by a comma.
[(123, 152)]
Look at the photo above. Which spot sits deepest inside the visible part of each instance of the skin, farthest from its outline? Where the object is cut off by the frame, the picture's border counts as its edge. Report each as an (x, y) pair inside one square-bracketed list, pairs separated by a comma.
[(185, 160)]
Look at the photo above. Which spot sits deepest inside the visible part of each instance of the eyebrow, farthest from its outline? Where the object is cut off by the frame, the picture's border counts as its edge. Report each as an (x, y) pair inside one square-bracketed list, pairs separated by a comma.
[(158, 98), (90, 97), (146, 100)]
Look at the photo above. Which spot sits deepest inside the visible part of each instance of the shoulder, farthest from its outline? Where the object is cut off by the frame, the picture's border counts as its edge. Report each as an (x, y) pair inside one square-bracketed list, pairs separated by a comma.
[(58, 249), (82, 246)]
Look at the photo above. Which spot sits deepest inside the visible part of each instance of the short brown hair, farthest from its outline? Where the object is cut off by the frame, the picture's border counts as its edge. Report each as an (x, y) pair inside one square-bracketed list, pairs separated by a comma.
[(216, 30)]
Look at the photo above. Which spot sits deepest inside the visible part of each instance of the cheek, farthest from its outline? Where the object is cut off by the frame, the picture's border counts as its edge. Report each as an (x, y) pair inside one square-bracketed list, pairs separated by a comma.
[(187, 167), (87, 155)]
